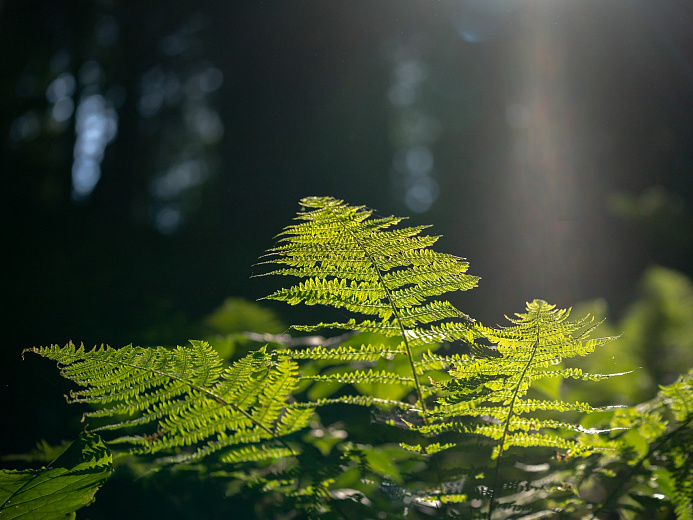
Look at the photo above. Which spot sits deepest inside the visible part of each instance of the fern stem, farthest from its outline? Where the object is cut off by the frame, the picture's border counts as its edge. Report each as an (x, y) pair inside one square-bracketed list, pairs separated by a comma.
[(506, 428), (410, 354), (395, 311)]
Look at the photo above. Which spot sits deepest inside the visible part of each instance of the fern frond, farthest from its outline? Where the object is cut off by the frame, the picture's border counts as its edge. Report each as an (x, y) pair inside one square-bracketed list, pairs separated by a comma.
[(185, 398), (493, 390), (390, 278), (347, 259), (678, 397), (455, 412)]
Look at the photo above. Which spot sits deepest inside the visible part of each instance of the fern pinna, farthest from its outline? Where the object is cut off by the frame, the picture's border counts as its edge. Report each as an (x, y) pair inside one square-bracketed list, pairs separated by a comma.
[(184, 399)]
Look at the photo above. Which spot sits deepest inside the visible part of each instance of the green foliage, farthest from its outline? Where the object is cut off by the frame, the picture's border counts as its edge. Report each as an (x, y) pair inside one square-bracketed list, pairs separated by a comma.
[(186, 398), (657, 450), (659, 326), (655, 340), (493, 389), (354, 262), (350, 260), (417, 411), (232, 327), (237, 315), (496, 386), (57, 490)]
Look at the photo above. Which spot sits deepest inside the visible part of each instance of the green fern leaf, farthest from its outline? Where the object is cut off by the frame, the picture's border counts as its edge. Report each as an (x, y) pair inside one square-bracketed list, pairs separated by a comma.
[(390, 278), (360, 376), (350, 260), (454, 411), (184, 398), (492, 390)]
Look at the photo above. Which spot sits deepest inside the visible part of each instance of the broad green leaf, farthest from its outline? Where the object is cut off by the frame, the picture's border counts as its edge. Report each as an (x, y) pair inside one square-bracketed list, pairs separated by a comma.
[(64, 486)]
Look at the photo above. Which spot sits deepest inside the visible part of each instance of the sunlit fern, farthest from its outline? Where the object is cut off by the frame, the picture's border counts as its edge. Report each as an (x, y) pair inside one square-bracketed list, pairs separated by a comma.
[(492, 390), (350, 260), (460, 407), (185, 401)]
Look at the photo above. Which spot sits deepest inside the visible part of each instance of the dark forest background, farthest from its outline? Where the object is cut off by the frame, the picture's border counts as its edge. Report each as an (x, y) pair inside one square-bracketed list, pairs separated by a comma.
[(150, 151)]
